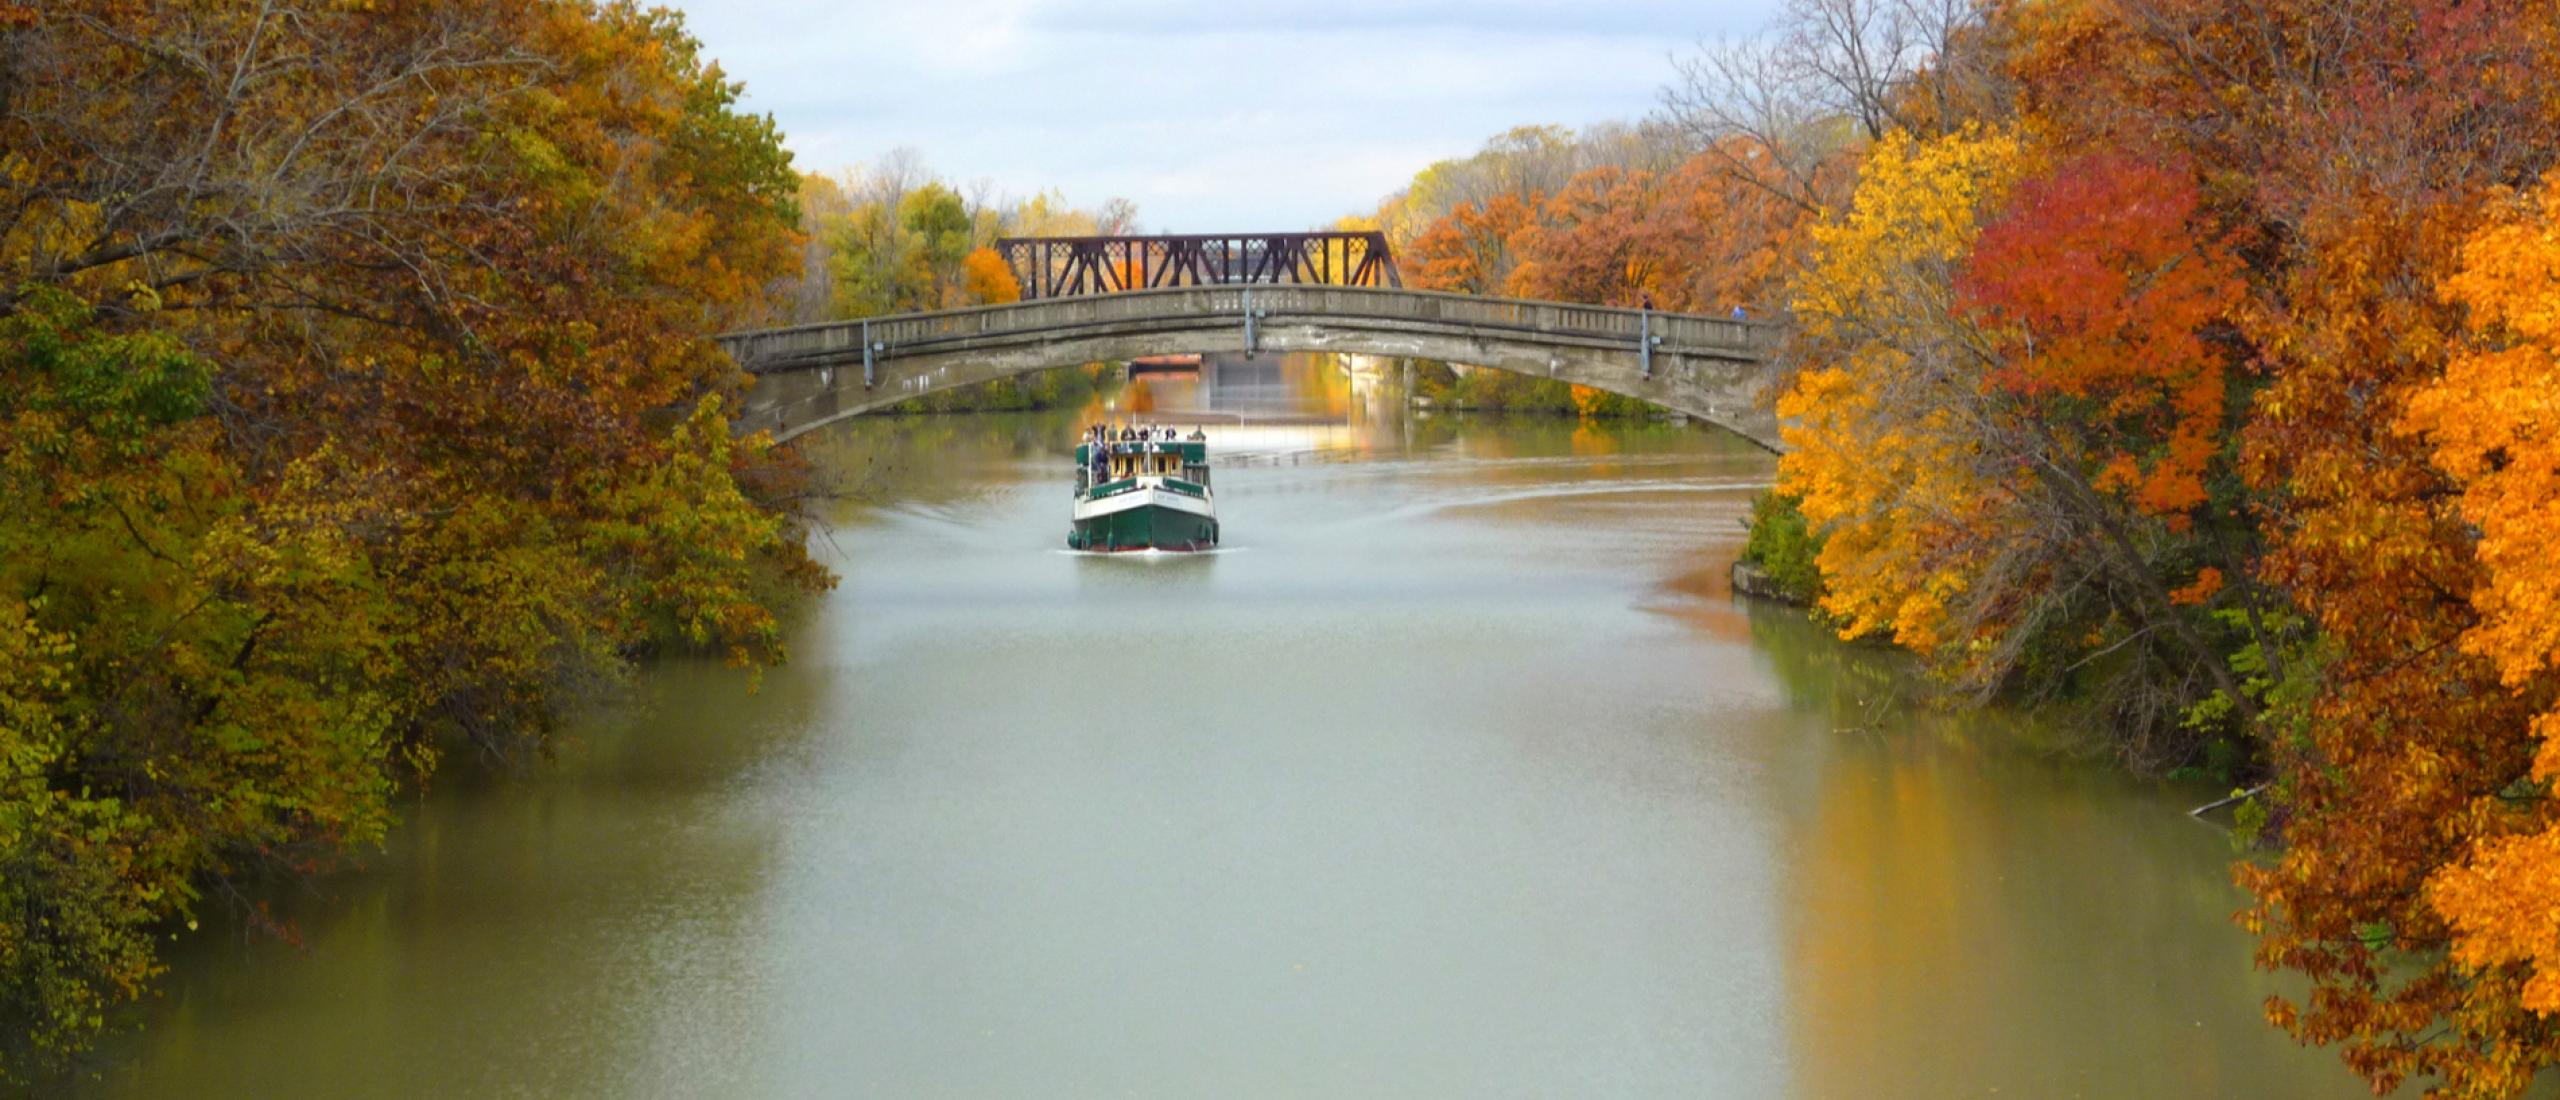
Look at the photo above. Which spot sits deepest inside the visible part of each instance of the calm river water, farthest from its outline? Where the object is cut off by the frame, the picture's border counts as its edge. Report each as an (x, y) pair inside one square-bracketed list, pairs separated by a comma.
[(1458, 773)]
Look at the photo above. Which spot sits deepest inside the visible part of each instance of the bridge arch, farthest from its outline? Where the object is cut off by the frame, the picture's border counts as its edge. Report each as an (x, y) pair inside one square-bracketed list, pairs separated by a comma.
[(1710, 368)]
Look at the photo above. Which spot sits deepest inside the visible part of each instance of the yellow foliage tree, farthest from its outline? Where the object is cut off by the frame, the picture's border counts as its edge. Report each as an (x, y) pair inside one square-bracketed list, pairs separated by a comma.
[(2494, 421), (1872, 443)]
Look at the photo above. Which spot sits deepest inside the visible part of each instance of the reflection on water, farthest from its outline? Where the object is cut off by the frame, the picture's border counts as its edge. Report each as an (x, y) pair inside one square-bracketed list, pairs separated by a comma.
[(1967, 915), (1459, 774)]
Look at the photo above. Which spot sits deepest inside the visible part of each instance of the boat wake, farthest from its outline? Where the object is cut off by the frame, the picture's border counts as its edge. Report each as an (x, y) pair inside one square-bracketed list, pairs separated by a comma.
[(1152, 554), (1550, 492)]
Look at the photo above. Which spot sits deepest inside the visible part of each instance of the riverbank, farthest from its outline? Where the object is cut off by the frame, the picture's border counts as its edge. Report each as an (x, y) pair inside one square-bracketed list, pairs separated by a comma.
[(1751, 580)]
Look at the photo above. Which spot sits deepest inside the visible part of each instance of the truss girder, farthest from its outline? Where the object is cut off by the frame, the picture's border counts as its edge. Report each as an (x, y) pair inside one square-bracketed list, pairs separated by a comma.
[(1067, 267)]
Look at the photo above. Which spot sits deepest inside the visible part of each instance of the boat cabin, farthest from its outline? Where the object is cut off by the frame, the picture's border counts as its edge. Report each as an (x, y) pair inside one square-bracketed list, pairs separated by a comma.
[(1129, 460)]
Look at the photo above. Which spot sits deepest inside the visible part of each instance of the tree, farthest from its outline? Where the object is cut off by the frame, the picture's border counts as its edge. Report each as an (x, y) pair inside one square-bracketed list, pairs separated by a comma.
[(1829, 76), (1117, 218), (1740, 242), (1471, 250), (986, 280), (345, 424), (1525, 163), (934, 235), (2103, 281), (823, 204), (2363, 138), (2013, 408), (1877, 447), (2106, 298), (2492, 425), (1607, 238)]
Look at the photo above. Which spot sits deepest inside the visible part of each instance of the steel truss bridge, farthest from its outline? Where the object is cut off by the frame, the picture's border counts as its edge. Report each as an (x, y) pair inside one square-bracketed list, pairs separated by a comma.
[(1064, 267)]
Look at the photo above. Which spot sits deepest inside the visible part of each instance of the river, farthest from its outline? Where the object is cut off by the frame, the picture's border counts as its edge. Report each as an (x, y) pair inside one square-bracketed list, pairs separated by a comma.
[(1457, 772)]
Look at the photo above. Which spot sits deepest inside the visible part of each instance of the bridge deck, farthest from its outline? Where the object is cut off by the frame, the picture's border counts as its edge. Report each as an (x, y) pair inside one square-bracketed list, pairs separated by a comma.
[(806, 346), (1717, 368)]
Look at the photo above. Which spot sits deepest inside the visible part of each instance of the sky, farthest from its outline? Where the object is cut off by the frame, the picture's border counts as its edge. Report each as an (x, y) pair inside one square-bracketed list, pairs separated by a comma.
[(1241, 116)]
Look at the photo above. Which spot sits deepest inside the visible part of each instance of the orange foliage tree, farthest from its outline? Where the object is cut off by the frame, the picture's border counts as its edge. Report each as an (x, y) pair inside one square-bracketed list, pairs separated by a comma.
[(987, 280), (1470, 251), (1605, 238), (2493, 425), (2368, 137)]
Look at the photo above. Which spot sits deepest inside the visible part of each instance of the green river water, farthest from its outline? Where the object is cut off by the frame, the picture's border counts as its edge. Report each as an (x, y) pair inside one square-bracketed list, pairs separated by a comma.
[(1458, 772)]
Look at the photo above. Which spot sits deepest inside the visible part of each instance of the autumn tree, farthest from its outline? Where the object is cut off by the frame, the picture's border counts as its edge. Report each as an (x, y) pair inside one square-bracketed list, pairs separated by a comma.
[(1521, 162), (1740, 242), (2366, 137), (1787, 109), (2492, 424), (1473, 250), (986, 280), (358, 400), (2107, 295), (1607, 238), (1877, 449)]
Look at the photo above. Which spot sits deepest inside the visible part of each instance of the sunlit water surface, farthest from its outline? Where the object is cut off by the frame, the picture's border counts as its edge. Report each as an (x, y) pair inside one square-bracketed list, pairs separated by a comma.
[(1458, 773)]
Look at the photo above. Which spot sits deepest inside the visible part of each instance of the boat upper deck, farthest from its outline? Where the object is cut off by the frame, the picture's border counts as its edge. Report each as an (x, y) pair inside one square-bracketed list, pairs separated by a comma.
[(1107, 462), (1188, 451)]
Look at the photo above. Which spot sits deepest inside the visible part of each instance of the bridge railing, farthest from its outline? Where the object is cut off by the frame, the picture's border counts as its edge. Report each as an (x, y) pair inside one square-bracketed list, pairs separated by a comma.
[(914, 332)]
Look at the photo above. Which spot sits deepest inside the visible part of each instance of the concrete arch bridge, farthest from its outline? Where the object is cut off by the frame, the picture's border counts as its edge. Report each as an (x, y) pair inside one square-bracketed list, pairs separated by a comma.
[(1714, 369)]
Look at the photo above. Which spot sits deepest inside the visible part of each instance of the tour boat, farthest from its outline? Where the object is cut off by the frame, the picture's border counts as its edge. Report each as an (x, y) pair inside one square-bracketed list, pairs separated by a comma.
[(1143, 494)]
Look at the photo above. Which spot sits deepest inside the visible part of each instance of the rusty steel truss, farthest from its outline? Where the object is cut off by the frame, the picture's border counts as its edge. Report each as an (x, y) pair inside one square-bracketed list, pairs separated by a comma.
[(1066, 267)]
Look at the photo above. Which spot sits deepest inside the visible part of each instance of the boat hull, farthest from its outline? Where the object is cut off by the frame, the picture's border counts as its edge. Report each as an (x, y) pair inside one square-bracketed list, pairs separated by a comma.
[(1147, 518)]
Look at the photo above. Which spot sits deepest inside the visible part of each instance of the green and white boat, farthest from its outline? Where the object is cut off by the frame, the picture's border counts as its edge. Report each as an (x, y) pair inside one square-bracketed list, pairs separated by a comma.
[(1143, 494)]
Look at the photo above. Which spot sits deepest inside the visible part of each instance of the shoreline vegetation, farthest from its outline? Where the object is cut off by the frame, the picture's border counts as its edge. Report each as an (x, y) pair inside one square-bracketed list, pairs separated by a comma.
[(1061, 388), (2183, 365), (1451, 389), (1438, 387), (1779, 555), (358, 415)]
